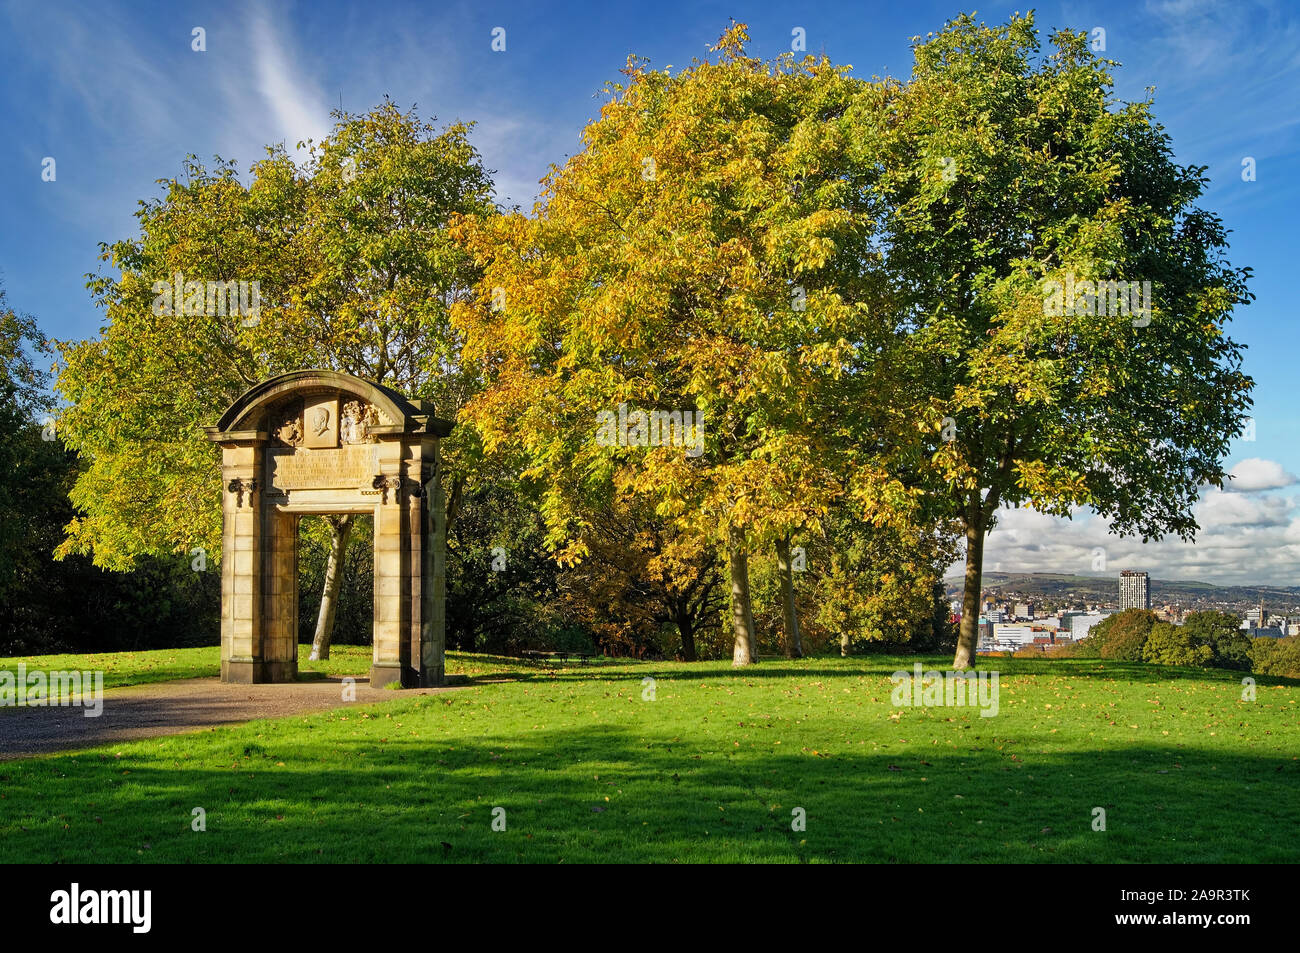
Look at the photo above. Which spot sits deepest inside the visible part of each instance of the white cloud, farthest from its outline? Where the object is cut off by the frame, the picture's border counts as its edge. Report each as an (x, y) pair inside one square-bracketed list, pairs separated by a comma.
[(1255, 474), (1220, 512), (1242, 540)]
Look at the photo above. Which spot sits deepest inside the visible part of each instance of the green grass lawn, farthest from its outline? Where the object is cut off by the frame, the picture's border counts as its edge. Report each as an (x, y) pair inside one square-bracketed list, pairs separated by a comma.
[(164, 665), (710, 770)]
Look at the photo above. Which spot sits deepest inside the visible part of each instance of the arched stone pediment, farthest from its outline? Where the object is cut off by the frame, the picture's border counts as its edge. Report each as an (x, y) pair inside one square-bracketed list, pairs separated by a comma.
[(252, 412)]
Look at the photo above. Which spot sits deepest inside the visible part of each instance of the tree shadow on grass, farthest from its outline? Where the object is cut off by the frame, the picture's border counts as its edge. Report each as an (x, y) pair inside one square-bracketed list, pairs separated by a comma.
[(275, 792)]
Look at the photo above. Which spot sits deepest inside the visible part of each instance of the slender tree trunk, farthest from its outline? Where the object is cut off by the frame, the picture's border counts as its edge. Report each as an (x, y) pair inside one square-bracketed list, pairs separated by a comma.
[(846, 644), (745, 651), (793, 641), (968, 635), (340, 532)]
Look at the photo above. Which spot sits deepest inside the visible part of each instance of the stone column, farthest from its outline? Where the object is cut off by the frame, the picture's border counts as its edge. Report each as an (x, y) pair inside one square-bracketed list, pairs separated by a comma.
[(433, 574), (392, 586), (241, 562), (426, 657), (279, 595)]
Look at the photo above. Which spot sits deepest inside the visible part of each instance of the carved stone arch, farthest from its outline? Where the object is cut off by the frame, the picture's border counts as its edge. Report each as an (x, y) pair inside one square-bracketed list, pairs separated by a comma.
[(322, 442)]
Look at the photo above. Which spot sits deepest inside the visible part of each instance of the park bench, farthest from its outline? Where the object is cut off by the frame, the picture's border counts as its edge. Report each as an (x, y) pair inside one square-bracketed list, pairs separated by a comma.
[(560, 657)]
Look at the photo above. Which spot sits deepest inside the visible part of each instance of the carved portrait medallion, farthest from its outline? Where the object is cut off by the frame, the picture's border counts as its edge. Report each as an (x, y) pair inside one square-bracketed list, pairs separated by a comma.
[(321, 422)]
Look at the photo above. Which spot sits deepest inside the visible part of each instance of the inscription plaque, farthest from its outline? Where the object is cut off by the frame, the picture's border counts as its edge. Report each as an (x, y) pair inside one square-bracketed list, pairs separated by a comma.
[(345, 468)]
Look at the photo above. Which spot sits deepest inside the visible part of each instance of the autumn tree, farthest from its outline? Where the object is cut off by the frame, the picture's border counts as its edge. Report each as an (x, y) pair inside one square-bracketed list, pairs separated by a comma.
[(638, 576), (876, 583), (355, 272), (1122, 635), (1062, 298), (704, 253)]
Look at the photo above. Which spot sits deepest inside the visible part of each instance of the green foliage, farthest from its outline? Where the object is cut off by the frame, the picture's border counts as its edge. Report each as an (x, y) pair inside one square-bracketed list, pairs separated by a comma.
[(50, 606), (516, 606), (1276, 656), (1206, 639), (24, 457), (47, 606), (999, 166), (356, 271), (872, 587), (1170, 644), (1222, 633)]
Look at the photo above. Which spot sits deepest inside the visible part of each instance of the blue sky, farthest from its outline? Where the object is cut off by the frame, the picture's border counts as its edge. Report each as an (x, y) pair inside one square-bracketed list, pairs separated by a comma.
[(115, 94)]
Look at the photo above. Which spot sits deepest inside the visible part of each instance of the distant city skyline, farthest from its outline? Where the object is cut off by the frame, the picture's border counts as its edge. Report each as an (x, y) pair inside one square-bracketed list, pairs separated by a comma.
[(1249, 535), (955, 573)]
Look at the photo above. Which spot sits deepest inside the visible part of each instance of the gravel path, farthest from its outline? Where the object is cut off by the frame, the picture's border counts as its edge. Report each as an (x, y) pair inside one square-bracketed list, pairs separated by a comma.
[(167, 708)]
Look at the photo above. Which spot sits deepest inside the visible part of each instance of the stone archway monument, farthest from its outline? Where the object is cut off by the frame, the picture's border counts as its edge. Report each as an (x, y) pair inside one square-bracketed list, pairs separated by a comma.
[(322, 442)]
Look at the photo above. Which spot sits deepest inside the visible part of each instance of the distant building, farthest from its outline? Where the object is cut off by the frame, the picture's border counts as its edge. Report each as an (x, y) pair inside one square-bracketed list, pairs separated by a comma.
[(1080, 625), (1266, 632), (996, 615), (1134, 592), (1008, 636), (1024, 610), (1255, 617)]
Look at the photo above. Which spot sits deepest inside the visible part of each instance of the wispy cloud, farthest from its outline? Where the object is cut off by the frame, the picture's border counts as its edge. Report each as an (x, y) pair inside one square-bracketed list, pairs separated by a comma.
[(295, 102)]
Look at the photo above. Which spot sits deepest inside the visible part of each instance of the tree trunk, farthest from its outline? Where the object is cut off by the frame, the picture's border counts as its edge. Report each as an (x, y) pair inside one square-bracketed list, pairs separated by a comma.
[(340, 532), (745, 651), (968, 636), (846, 644), (686, 627), (433, 639), (793, 641)]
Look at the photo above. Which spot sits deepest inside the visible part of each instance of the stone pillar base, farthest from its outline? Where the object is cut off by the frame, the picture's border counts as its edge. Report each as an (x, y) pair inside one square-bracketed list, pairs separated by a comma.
[(433, 677), (257, 672), (382, 674)]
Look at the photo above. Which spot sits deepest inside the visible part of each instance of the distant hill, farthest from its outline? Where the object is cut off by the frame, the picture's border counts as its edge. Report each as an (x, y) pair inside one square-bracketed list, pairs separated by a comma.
[(1105, 588)]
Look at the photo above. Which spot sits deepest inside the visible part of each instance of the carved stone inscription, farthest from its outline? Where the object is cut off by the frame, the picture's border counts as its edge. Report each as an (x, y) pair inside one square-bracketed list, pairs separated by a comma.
[(346, 468)]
